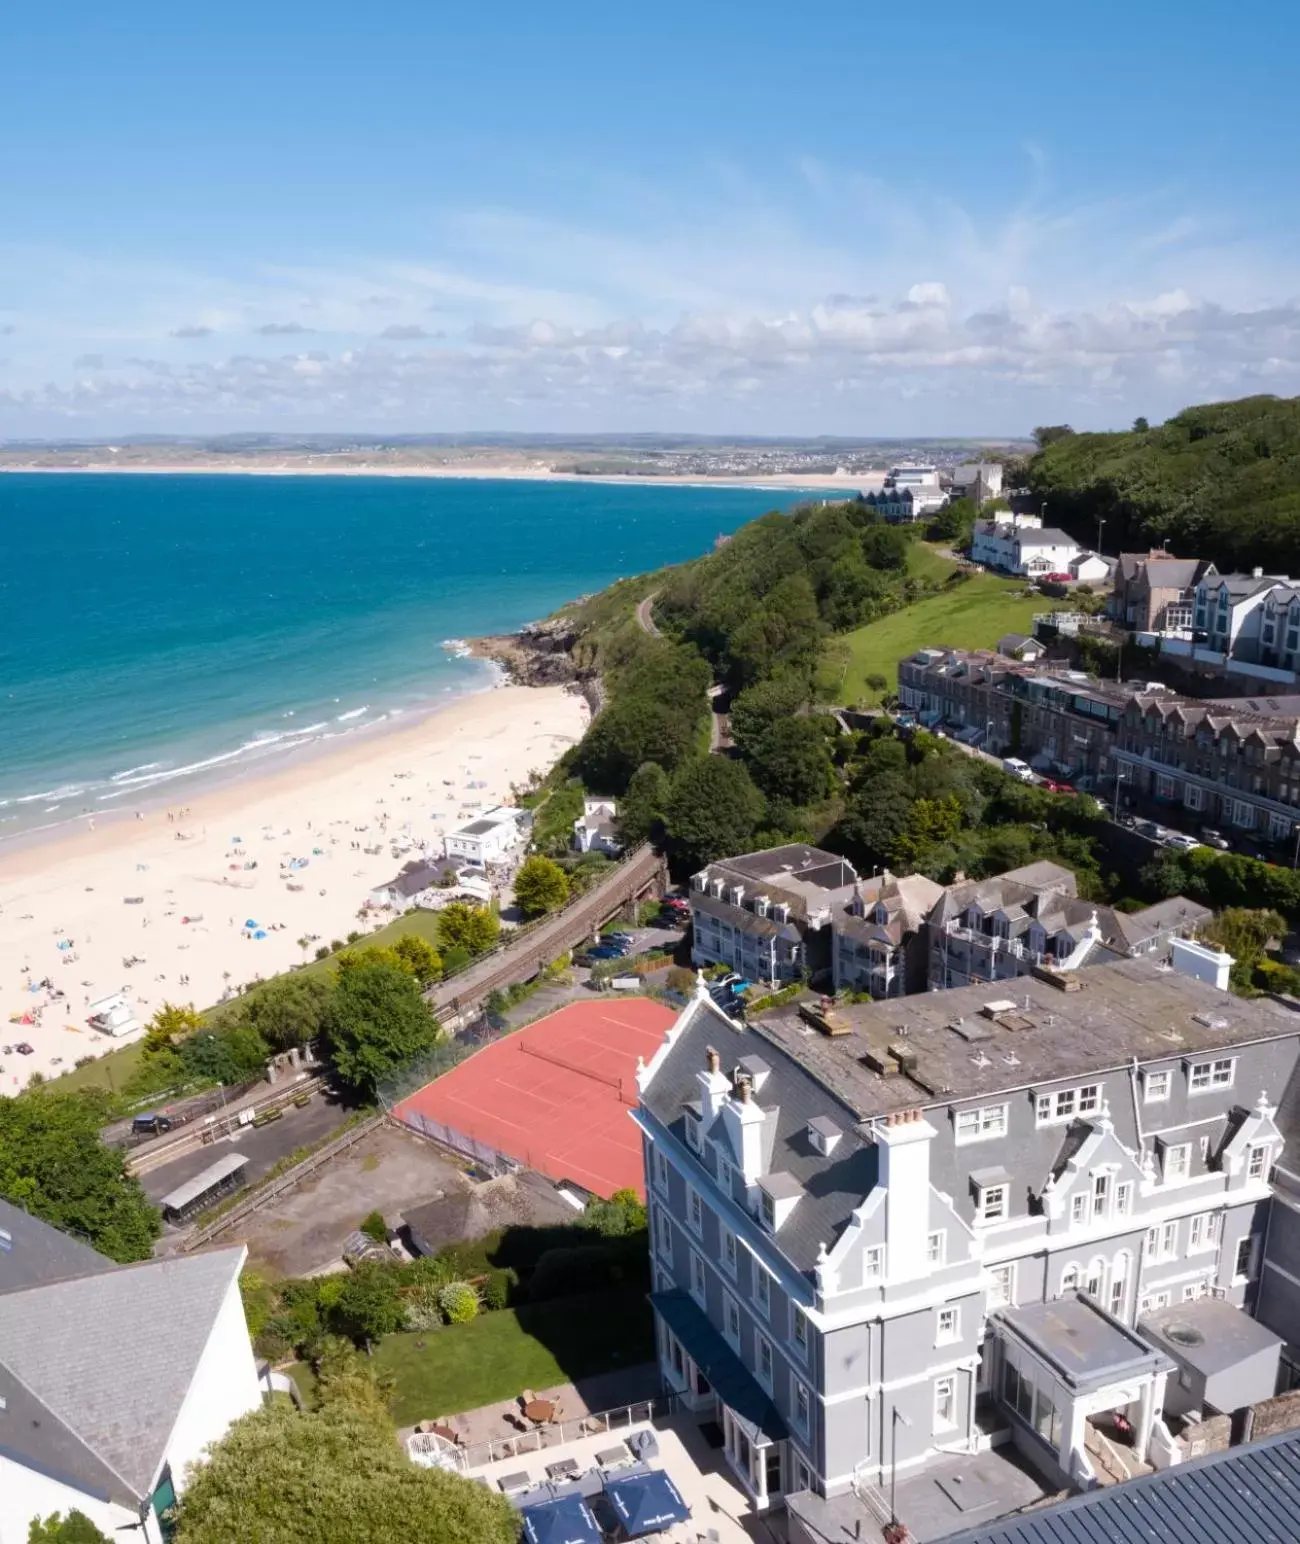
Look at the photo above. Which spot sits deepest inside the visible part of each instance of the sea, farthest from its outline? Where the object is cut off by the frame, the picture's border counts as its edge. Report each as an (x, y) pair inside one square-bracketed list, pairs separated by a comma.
[(158, 632)]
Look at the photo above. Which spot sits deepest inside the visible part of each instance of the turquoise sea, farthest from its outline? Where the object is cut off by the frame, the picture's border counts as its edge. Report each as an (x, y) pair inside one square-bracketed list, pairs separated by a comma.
[(157, 630)]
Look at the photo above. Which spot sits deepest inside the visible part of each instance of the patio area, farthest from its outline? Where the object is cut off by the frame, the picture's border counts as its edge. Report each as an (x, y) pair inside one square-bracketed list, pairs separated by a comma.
[(720, 1510)]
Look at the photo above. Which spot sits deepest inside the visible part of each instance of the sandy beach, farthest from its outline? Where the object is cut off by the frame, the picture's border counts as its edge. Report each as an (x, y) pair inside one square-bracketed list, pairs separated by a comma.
[(173, 890)]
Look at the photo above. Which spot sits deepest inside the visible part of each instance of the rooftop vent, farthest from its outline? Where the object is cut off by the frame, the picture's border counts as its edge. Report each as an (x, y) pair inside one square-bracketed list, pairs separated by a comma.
[(1184, 1334), (824, 1134), (999, 1006), (971, 1030), (1209, 1021)]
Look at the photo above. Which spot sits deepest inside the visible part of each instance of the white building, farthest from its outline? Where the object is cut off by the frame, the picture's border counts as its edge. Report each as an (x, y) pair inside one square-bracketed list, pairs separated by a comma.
[(113, 1379), (978, 481), (1229, 612), (491, 838), (113, 1015), (1092, 568), (416, 885), (596, 830), (1020, 544), (909, 493)]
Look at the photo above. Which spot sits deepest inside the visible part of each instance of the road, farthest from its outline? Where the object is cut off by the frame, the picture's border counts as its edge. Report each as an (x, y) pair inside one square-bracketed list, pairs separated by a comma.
[(645, 615), (719, 731)]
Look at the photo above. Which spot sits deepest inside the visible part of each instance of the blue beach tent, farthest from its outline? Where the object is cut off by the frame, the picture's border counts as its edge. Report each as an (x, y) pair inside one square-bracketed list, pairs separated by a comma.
[(646, 1503), (565, 1520)]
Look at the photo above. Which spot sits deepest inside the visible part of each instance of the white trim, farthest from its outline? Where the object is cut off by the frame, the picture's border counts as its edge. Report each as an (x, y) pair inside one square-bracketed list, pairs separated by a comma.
[(966, 1363)]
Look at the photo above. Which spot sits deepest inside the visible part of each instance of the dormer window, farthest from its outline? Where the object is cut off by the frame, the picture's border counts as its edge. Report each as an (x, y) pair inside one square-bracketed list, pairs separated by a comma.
[(824, 1135), (692, 1131), (761, 904), (781, 912)]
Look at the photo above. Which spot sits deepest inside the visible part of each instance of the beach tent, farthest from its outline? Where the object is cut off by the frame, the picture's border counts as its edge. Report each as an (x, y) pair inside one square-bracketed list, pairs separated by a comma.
[(259, 934), (248, 922), (646, 1503), (564, 1520)]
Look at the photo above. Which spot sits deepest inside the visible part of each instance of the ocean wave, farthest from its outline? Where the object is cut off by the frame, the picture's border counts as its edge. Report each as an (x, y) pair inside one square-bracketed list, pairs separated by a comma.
[(457, 648), (345, 718), (148, 766), (69, 792)]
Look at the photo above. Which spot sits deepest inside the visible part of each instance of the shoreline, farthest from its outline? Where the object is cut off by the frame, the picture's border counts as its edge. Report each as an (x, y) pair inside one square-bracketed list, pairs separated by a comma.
[(174, 890), (814, 482)]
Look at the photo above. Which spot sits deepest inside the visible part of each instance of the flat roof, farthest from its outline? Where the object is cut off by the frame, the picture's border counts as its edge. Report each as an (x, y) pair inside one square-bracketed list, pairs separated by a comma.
[(192, 1189), (1209, 1334), (1083, 1344), (1111, 1015)]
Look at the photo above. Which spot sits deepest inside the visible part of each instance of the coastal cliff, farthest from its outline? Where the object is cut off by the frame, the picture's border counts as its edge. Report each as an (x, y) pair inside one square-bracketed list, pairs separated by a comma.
[(542, 654)]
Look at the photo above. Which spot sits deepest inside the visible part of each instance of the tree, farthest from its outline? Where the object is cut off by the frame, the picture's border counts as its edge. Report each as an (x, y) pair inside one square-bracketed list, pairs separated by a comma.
[(53, 1164), (336, 1476), (370, 1304), (74, 1528), (374, 1226), (228, 1054), (462, 925), (623, 1213), (713, 810), (1141, 426), (1049, 434), (1245, 934), (541, 885), (641, 809), (377, 1022), (288, 1010), (759, 707), (954, 523), (171, 1024), (419, 957), (791, 761)]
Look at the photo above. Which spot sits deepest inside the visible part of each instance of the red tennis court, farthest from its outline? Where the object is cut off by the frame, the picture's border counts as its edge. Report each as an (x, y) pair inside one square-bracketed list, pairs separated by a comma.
[(557, 1095)]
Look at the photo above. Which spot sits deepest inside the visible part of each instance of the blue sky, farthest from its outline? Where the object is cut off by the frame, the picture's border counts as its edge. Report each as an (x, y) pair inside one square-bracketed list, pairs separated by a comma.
[(718, 218)]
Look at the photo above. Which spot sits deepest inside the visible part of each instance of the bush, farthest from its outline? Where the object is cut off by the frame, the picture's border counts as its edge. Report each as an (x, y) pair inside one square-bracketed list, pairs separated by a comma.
[(496, 1293), (337, 943), (353, 936), (375, 1227), (323, 953), (423, 1309), (459, 1302), (589, 1267), (681, 980)]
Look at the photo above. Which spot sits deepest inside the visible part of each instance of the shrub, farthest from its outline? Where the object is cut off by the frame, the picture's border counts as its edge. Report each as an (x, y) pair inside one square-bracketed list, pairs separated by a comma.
[(353, 936), (459, 1302), (681, 980), (337, 943), (496, 1294), (589, 1267), (422, 1307), (375, 1227), (323, 953)]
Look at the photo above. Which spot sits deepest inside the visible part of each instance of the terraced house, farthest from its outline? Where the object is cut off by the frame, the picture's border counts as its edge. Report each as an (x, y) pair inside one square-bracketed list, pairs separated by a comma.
[(899, 1234)]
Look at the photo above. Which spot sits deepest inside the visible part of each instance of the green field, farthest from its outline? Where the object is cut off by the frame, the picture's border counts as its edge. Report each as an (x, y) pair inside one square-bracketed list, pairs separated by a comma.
[(498, 1355), (925, 561), (972, 615)]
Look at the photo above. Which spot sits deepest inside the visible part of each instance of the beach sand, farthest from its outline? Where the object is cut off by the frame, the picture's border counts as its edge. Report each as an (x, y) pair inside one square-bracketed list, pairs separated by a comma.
[(189, 867)]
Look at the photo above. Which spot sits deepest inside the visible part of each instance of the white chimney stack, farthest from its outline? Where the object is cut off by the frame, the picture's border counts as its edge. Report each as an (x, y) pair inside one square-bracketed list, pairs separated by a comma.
[(904, 1141), (714, 1088)]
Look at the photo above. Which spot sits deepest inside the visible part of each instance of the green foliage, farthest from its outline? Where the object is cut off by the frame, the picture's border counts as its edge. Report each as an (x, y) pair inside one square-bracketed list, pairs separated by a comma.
[(497, 1290), (758, 709), (1044, 437), (288, 1010), (954, 523), (791, 761), (462, 925), (418, 956), (336, 1476), (623, 1213), (374, 1226), (1225, 879), (1221, 481), (53, 1164), (376, 1023), (641, 809), (1245, 933), (541, 885), (713, 810), (370, 1304), (171, 1024), (459, 1302), (557, 807), (613, 1262), (71, 1528), (656, 712)]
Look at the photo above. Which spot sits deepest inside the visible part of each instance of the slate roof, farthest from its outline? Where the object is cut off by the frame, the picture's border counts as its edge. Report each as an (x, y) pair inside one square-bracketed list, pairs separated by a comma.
[(110, 1357), (746, 921), (31, 1252), (414, 877), (1048, 536), (1248, 1493)]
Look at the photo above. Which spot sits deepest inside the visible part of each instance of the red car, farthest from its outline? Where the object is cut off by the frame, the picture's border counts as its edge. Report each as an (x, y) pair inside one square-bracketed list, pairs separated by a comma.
[(1053, 787)]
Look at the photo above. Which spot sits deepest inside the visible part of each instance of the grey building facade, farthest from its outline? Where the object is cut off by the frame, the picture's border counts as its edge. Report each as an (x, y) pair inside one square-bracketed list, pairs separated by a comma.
[(849, 1228)]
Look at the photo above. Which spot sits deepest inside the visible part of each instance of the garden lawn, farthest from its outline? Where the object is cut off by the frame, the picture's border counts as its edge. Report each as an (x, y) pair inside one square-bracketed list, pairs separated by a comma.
[(498, 1355), (970, 615), (112, 1071), (925, 561)]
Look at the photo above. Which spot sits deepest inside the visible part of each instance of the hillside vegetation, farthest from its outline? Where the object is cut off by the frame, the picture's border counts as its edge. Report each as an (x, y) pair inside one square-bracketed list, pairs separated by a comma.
[(1221, 481)]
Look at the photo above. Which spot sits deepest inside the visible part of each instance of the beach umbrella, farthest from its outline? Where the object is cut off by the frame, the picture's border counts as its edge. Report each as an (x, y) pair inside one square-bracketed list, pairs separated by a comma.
[(564, 1520), (646, 1503), (248, 922), (259, 934)]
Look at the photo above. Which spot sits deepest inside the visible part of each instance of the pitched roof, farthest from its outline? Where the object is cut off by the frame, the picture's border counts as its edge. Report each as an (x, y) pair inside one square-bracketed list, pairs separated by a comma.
[(32, 1252), (111, 1357)]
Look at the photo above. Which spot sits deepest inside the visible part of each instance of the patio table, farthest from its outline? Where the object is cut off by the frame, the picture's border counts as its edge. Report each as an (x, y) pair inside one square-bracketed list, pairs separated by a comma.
[(562, 1467), (540, 1410), (509, 1482)]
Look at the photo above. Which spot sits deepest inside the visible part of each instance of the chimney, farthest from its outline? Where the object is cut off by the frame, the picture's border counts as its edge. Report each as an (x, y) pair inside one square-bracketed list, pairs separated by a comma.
[(744, 1118), (904, 1143), (713, 1086)]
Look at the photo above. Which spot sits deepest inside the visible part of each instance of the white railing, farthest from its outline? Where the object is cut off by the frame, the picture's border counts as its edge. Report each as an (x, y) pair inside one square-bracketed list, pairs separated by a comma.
[(477, 1455)]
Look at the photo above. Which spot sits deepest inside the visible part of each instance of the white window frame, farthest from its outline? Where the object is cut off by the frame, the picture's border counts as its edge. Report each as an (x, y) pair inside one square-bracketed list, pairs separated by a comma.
[(1257, 1161), (763, 1289), (1152, 1302), (1207, 1076), (1156, 1086), (801, 1407), (1067, 1104), (1240, 1276), (985, 1123), (945, 1398), (799, 1331), (699, 1279), (763, 1351), (664, 1232), (1161, 1242), (1203, 1232), (730, 1313), (873, 1262), (1176, 1162), (936, 1248), (730, 1252), (695, 1211), (947, 1326), (1124, 1198), (661, 1172), (693, 1140), (1078, 1208), (986, 1192)]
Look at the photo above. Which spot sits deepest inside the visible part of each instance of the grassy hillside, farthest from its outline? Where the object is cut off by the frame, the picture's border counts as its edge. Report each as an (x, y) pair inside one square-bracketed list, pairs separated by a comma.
[(1220, 481), (973, 615)]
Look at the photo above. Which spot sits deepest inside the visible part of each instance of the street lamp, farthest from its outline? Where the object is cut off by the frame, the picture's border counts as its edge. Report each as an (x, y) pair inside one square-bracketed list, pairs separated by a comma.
[(898, 1417), (1119, 778), (1295, 856), (1100, 527)]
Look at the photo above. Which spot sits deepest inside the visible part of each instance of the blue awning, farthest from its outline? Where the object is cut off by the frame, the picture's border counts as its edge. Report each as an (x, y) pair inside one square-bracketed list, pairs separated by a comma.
[(732, 1381), (645, 1503), (565, 1520)]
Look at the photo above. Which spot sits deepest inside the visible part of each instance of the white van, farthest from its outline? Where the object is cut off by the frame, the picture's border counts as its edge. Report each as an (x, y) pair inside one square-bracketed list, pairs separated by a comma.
[(1017, 768)]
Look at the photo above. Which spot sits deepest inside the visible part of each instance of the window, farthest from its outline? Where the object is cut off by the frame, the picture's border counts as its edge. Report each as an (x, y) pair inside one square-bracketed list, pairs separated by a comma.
[(1078, 1208), (1257, 1163), (802, 1474), (936, 1248), (1244, 1259), (729, 1251), (1002, 1286), (1191, 1293), (661, 1171), (992, 1203), (1118, 1285), (799, 1331), (873, 1262), (664, 1232), (1070, 1279), (980, 1125), (731, 1321), (1100, 1194), (1152, 1302), (1124, 1198), (1212, 1074), (1204, 1232), (763, 1360), (1066, 1103), (802, 1407), (949, 1327), (1177, 1162), (724, 1175), (1161, 1242), (945, 1404), (767, 1206), (692, 1132), (763, 1290), (698, 1291), (1156, 1086), (695, 1210)]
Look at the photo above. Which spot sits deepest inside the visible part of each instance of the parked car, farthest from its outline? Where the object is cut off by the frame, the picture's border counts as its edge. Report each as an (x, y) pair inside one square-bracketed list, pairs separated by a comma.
[(1216, 839), (1181, 842), (152, 1124), (1017, 768), (1052, 786)]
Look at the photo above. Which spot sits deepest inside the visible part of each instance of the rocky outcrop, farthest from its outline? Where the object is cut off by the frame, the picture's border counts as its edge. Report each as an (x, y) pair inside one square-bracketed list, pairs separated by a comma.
[(540, 654)]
